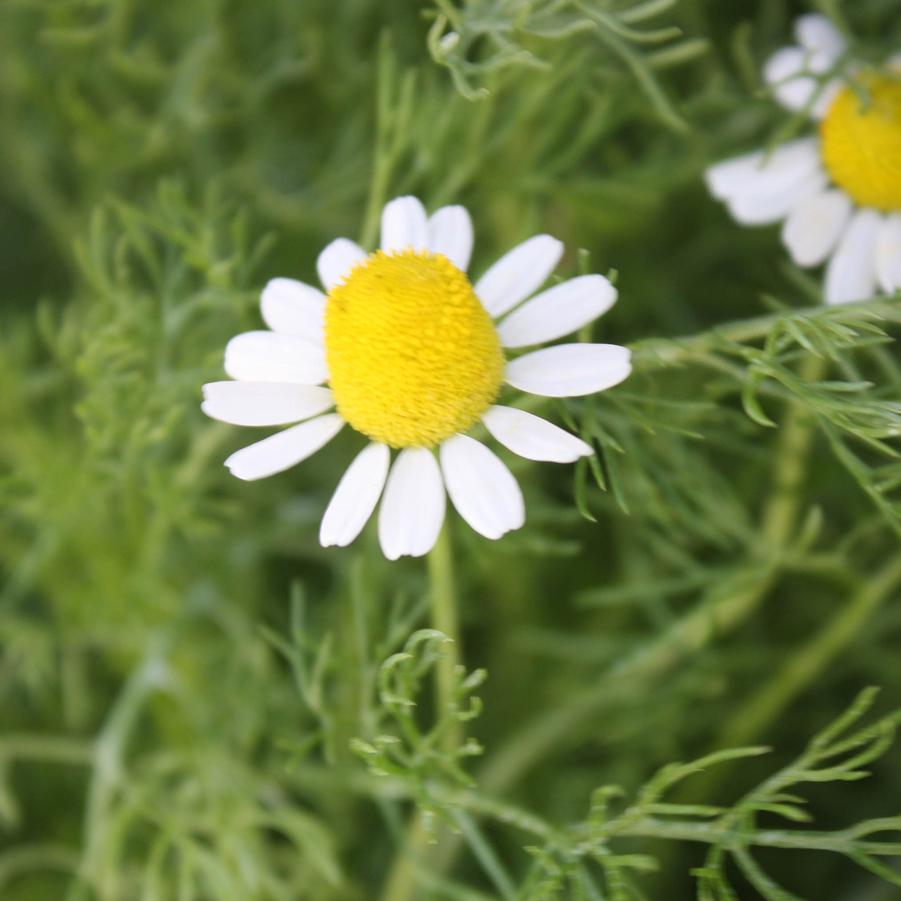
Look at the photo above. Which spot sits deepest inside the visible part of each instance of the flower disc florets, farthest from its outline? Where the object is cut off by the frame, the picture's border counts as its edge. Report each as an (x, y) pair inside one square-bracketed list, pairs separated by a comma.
[(862, 142), (413, 356)]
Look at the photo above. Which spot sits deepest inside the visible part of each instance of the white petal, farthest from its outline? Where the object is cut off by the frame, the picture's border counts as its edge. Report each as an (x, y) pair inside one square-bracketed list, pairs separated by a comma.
[(450, 233), (404, 225), (482, 489), (293, 308), (731, 177), (559, 311), (852, 270), (775, 199), (796, 93), (788, 70), (790, 161), (518, 273), (785, 63), (270, 357), (532, 437), (570, 370), (784, 66), (264, 403), (888, 254), (412, 509), (355, 497), (818, 34), (782, 179), (757, 182), (814, 226), (828, 93), (336, 261), (284, 449), (783, 73)]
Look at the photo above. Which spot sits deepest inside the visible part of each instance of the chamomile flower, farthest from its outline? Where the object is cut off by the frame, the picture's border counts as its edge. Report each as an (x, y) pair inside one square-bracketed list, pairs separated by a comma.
[(414, 355), (837, 192)]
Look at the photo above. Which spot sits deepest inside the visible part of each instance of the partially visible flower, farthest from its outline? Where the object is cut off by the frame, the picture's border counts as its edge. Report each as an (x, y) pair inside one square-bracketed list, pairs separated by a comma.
[(837, 193), (414, 357)]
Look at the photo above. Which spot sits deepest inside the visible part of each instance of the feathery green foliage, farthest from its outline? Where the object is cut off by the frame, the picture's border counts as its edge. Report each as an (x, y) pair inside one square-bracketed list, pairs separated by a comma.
[(198, 702)]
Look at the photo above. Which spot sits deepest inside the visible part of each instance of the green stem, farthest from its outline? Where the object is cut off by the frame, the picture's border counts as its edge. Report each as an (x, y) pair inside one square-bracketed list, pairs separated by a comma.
[(402, 881), (564, 725), (483, 851), (36, 858), (781, 511), (394, 103), (713, 834), (696, 629), (806, 665), (843, 841), (656, 352), (442, 597), (48, 748), (381, 165), (109, 759)]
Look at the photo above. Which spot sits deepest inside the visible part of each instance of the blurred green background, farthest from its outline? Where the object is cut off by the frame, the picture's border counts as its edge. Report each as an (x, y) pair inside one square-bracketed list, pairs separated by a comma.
[(183, 670)]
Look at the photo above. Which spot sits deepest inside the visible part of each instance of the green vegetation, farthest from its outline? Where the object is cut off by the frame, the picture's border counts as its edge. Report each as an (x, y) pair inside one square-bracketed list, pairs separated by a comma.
[(199, 703)]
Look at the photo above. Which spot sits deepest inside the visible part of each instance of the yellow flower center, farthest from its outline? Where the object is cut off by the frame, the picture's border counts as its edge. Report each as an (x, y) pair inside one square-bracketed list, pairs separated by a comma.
[(862, 142), (412, 354)]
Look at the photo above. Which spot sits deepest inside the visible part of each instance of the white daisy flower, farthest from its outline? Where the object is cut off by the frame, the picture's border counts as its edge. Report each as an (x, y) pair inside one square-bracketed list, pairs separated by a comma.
[(414, 355), (837, 193)]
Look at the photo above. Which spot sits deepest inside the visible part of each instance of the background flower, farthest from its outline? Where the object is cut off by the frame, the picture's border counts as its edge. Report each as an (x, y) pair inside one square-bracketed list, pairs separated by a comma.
[(838, 194)]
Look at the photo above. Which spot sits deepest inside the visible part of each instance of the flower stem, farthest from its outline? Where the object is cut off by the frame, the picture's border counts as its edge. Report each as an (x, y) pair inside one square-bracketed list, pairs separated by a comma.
[(443, 601), (401, 882), (804, 667), (654, 353), (695, 629), (109, 758)]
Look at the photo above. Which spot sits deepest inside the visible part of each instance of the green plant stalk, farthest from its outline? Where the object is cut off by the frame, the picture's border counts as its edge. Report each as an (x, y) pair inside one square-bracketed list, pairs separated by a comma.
[(109, 767), (711, 833), (657, 352), (38, 858), (443, 605), (401, 881), (844, 841), (798, 673), (393, 104), (50, 749), (697, 628), (817, 654), (841, 842)]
